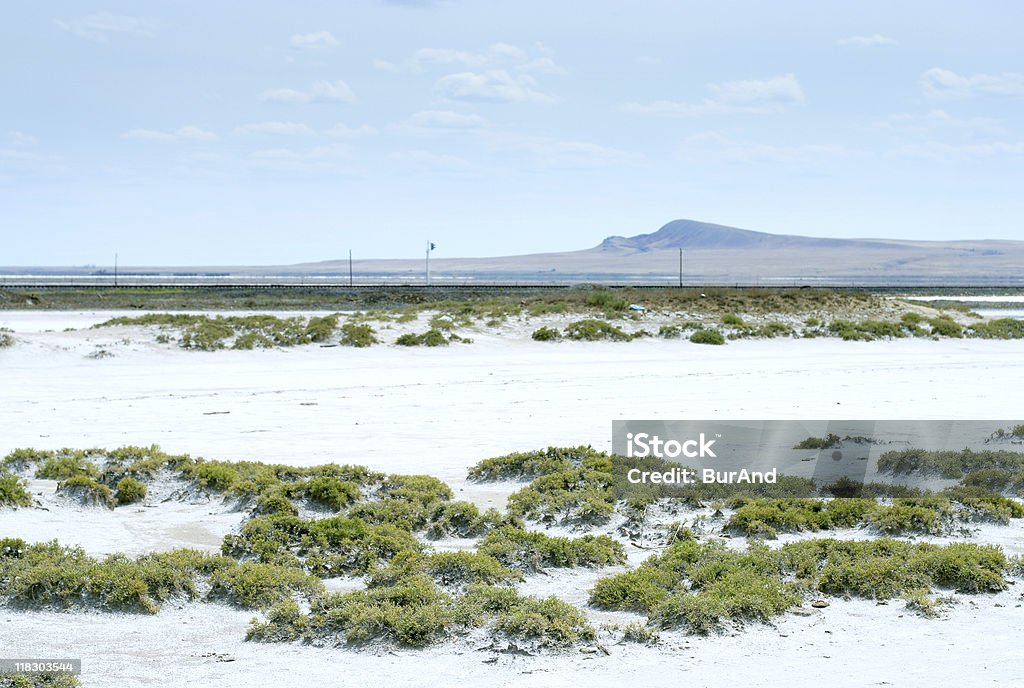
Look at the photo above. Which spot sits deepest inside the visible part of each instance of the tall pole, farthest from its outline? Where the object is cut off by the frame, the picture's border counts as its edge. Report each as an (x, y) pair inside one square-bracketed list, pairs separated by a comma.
[(115, 269), (680, 267), (428, 262), (350, 267)]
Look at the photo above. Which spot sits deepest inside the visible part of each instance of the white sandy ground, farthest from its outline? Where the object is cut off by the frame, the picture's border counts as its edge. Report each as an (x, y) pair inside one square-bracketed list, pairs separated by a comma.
[(438, 411)]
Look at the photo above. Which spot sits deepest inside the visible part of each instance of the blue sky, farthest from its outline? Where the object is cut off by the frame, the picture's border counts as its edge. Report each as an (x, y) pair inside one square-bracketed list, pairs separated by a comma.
[(254, 132)]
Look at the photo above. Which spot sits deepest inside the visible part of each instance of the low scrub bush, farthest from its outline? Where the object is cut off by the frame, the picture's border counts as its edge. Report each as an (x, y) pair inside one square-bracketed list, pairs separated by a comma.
[(532, 551), (595, 330), (14, 491), (358, 335), (432, 337), (574, 495), (87, 490), (713, 337), (130, 491), (546, 334), (530, 465)]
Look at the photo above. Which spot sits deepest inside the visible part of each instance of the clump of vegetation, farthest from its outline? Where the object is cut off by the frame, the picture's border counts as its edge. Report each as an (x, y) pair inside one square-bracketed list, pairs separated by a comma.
[(546, 334), (130, 490), (415, 612), (432, 337), (595, 330), (6, 339), (578, 494), (40, 680), (13, 491), (924, 514), (325, 547), (827, 442), (637, 632), (954, 465), (732, 320), (532, 551), (205, 333), (529, 465), (358, 335), (1002, 328), (87, 490), (698, 585), (713, 337), (945, 326), (606, 301), (52, 575)]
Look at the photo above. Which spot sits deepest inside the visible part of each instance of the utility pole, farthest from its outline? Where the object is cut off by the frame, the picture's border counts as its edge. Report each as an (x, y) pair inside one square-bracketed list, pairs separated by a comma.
[(680, 267), (350, 267), (115, 269), (430, 247)]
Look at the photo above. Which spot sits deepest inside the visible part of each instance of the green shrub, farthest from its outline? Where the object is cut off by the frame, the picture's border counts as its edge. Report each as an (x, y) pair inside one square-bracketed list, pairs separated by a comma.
[(6, 339), (944, 326), (130, 491), (358, 335), (713, 337), (741, 594), (546, 334), (636, 632), (733, 320), (92, 492), (532, 551), (1002, 328), (322, 328), (326, 547), (432, 337), (595, 330), (827, 442), (550, 620), (606, 301), (258, 586), (577, 495), (530, 465), (66, 465), (332, 492), (14, 491)]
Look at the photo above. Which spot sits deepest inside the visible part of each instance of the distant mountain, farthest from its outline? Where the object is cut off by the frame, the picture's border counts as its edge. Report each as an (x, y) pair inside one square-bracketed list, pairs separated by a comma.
[(712, 254), (690, 234)]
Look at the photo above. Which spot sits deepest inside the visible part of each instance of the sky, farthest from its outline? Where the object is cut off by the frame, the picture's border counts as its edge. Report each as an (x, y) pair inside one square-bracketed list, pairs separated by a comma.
[(240, 133)]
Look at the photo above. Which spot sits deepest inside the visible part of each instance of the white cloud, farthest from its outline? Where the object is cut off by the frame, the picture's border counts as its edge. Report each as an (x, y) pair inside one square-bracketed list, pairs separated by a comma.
[(20, 139), (320, 91), (712, 145), (320, 40), (315, 159), (434, 162), (343, 131), (750, 96), (496, 85), (506, 56), (276, 129), (446, 119), (944, 83), (552, 153), (188, 133), (872, 41), (941, 120), (647, 60), (938, 150), (101, 26)]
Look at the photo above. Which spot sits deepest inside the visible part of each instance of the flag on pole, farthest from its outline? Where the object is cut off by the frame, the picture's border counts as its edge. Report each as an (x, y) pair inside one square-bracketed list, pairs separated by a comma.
[(433, 246)]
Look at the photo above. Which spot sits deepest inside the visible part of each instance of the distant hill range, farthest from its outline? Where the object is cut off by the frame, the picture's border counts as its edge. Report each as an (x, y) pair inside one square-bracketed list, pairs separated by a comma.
[(716, 253), (711, 254)]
